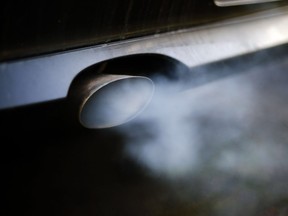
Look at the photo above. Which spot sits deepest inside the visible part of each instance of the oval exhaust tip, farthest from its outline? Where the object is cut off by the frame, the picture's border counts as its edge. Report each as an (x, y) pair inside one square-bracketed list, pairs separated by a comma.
[(114, 100)]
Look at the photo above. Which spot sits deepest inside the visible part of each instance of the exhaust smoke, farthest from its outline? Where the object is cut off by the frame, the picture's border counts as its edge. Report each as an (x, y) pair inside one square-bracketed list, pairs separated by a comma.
[(227, 139)]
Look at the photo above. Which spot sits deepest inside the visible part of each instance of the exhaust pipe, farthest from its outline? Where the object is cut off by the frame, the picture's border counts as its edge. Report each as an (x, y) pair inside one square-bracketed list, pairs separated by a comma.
[(109, 100), (113, 92)]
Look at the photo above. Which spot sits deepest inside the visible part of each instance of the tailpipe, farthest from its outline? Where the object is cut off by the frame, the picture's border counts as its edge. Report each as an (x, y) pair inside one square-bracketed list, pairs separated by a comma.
[(109, 100)]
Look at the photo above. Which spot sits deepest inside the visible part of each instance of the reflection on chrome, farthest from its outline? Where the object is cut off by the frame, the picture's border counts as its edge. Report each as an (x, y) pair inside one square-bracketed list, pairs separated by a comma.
[(225, 3)]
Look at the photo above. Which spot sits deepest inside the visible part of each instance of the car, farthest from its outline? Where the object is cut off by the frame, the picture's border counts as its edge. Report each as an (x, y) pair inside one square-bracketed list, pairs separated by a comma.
[(144, 107)]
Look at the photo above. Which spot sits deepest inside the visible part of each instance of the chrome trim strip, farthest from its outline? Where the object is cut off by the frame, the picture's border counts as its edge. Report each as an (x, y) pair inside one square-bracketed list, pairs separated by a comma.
[(227, 3)]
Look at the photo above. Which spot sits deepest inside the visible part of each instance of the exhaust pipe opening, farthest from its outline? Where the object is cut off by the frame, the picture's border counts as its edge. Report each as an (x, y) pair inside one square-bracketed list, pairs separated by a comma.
[(112, 100)]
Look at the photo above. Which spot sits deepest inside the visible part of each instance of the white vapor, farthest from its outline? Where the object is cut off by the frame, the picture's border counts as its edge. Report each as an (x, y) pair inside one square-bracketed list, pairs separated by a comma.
[(227, 137)]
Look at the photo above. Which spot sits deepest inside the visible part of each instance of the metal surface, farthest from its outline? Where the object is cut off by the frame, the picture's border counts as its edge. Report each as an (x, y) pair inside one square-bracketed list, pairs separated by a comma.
[(225, 3), (110, 100), (48, 77), (33, 28)]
